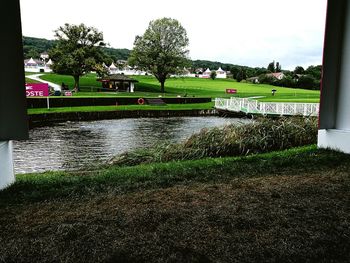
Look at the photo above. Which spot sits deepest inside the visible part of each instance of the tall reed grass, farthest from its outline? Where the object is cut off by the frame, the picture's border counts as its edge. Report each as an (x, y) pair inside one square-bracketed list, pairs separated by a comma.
[(262, 135)]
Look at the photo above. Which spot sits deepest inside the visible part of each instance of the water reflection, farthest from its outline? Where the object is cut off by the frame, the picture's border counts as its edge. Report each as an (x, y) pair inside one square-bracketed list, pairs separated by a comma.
[(72, 145)]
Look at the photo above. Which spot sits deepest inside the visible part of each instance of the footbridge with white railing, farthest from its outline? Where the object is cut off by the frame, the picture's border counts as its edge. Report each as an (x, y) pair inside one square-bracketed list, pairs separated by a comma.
[(251, 106)]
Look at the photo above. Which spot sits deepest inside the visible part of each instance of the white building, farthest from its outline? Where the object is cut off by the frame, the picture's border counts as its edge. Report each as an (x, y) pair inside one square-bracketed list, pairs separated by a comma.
[(125, 70), (277, 75), (221, 74), (36, 65), (112, 69), (206, 74)]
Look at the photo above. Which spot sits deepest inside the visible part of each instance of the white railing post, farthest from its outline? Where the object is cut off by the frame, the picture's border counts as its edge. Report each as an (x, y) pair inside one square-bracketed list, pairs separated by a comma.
[(250, 106), (232, 104), (263, 107)]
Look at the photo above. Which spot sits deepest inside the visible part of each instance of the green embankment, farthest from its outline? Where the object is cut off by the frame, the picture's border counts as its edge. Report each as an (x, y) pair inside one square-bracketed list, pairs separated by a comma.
[(290, 206), (38, 186), (193, 106)]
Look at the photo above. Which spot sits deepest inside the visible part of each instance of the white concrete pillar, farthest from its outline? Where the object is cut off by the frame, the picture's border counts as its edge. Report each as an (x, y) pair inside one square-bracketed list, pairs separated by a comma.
[(343, 113), (132, 86), (334, 128), (7, 176)]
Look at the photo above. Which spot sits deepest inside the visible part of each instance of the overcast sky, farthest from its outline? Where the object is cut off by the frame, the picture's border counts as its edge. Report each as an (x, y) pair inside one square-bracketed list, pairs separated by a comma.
[(243, 32)]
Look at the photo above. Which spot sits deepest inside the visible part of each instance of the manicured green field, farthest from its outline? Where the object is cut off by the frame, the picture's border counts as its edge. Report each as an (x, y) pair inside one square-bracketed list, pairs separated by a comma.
[(149, 86)]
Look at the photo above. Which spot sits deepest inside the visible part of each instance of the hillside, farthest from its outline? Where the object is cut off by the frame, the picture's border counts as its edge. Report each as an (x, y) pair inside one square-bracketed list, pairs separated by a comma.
[(32, 47)]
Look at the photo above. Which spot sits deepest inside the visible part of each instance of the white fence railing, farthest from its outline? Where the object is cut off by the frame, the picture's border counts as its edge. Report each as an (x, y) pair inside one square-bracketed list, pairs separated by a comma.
[(277, 108)]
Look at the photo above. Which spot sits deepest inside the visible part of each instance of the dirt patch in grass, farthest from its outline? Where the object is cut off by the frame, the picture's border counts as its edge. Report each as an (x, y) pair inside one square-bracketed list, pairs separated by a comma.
[(275, 218)]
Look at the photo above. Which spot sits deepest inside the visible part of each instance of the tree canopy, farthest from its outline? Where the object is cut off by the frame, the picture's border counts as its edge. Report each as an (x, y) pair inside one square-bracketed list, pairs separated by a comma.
[(162, 49), (299, 70), (274, 67), (77, 51), (213, 74)]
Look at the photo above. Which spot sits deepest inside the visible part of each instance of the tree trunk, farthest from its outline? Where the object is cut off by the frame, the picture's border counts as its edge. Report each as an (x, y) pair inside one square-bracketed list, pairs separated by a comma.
[(76, 83), (162, 86)]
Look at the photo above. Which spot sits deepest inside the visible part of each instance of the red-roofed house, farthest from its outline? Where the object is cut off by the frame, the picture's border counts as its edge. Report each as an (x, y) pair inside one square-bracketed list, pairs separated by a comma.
[(277, 75)]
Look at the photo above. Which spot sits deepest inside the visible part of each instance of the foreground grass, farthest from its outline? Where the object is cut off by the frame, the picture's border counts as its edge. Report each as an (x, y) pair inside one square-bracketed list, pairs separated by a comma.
[(193, 106), (288, 206), (149, 87)]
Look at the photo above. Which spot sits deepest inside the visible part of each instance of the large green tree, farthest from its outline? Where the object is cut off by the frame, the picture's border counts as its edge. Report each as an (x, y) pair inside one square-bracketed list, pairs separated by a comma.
[(271, 67), (77, 52), (162, 49), (299, 70)]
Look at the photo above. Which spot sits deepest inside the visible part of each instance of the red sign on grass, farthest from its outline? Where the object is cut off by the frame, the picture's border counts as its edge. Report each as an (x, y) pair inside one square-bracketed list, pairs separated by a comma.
[(37, 90), (231, 91)]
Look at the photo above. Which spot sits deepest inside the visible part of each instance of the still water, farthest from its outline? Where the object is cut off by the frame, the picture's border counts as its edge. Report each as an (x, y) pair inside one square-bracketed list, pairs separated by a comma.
[(73, 145)]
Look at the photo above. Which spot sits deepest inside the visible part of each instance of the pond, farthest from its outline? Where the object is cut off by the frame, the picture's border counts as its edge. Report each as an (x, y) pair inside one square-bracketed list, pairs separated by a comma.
[(73, 145)]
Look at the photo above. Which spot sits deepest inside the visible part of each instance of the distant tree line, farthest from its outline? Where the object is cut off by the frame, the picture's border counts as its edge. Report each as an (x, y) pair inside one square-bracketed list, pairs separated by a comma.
[(299, 78), (33, 47), (244, 71), (309, 78)]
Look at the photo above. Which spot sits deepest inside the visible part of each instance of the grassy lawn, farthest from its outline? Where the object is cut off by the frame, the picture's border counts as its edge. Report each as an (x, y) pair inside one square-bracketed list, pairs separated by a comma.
[(31, 73), (194, 106), (31, 80), (290, 206), (149, 87)]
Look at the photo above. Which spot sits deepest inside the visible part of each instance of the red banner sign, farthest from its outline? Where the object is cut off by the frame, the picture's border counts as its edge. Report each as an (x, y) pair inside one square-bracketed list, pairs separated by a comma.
[(231, 91), (37, 90)]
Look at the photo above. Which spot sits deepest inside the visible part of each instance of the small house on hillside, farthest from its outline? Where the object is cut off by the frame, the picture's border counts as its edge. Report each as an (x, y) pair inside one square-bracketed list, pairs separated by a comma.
[(44, 56), (118, 82), (277, 75), (296, 77), (254, 80)]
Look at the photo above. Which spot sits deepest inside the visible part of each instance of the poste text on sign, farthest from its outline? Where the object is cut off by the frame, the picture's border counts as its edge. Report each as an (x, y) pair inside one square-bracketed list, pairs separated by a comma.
[(37, 89)]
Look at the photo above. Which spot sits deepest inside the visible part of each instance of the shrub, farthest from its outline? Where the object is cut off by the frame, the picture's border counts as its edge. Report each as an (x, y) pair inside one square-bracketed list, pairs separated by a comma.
[(260, 136), (213, 75), (265, 79)]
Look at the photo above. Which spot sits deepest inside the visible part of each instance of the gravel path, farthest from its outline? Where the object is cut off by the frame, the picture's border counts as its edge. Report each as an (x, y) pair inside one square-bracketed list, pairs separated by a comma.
[(37, 78)]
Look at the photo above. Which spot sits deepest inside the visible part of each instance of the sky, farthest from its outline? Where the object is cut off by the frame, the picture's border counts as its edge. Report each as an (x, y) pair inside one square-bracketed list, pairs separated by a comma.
[(243, 32)]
